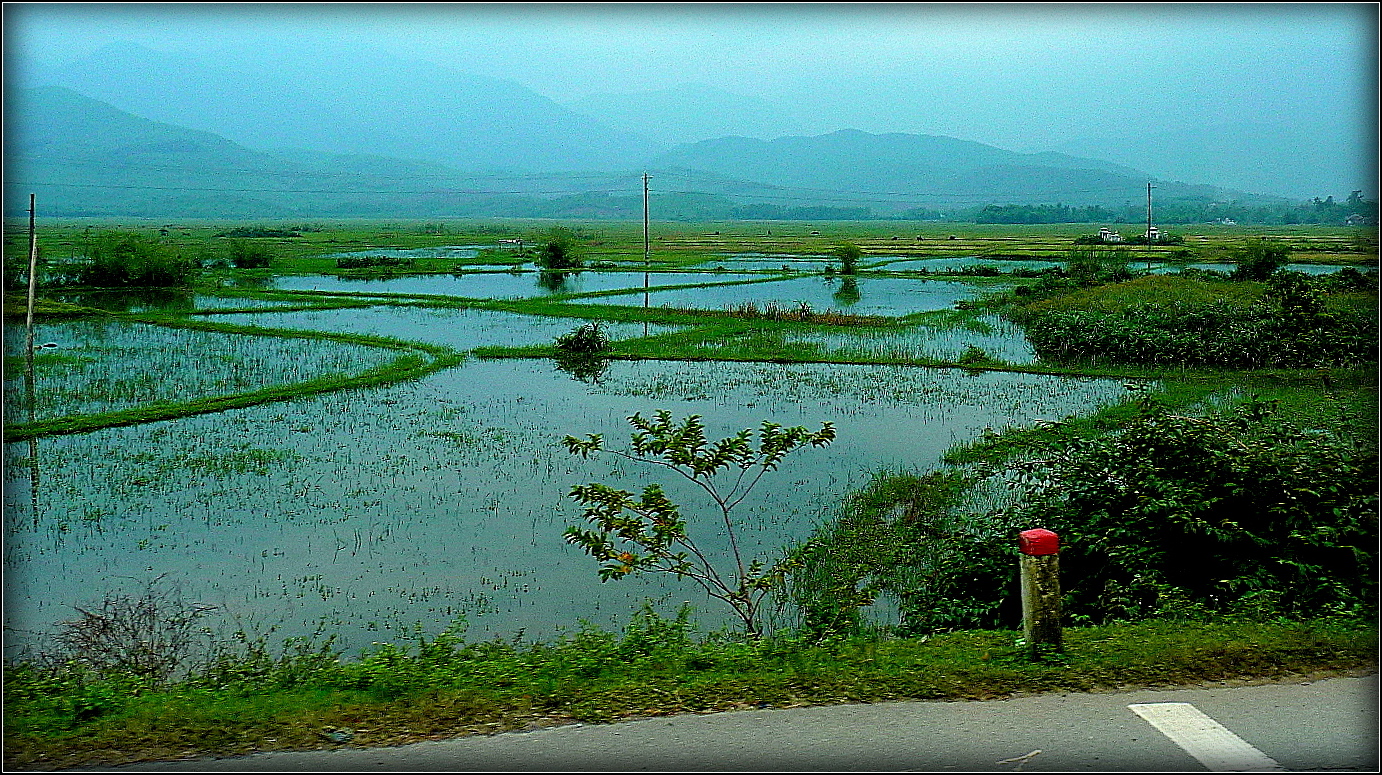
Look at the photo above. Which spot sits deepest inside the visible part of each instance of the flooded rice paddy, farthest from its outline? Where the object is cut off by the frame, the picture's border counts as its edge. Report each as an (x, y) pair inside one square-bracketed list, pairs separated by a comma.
[(461, 329), (860, 296), (498, 285), (88, 366), (378, 509), (369, 512), (998, 338)]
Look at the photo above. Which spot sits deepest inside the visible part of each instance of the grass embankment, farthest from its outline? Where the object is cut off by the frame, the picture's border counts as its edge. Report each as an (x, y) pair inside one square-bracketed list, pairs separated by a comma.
[(444, 689)]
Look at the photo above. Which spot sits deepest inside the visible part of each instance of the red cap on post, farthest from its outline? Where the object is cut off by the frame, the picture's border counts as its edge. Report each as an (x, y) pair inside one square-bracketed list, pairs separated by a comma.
[(1038, 543)]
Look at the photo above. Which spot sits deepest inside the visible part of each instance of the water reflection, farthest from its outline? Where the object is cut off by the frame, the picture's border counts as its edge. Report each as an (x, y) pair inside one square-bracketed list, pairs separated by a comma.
[(557, 282), (175, 300), (848, 294), (583, 367)]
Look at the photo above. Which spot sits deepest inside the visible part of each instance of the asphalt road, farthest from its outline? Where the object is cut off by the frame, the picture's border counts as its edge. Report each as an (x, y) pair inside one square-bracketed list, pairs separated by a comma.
[(1330, 724)]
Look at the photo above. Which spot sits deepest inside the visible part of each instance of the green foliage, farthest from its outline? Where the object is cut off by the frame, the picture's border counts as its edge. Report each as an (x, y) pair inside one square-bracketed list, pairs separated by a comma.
[(902, 537), (1088, 265), (559, 250), (125, 259), (263, 231), (581, 352), (248, 255), (1258, 259), (1239, 512), (1289, 326), (647, 534), (849, 254), (586, 339)]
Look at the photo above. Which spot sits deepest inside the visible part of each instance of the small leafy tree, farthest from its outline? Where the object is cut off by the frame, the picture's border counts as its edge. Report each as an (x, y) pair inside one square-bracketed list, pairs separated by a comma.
[(1258, 259), (647, 534), (849, 255), (558, 251)]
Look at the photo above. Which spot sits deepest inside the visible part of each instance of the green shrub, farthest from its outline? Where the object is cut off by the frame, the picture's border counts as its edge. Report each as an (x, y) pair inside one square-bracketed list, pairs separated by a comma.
[(589, 339), (559, 250), (123, 259), (1258, 259), (248, 255), (1179, 514)]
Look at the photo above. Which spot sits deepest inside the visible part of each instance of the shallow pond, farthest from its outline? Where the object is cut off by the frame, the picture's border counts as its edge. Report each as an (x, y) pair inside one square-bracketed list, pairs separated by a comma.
[(442, 251), (462, 329), (176, 301), (953, 264), (998, 338), (377, 509), (863, 296), (499, 285)]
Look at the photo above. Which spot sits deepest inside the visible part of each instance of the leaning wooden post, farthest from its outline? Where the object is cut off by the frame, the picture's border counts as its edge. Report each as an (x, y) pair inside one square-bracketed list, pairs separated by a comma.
[(1040, 579)]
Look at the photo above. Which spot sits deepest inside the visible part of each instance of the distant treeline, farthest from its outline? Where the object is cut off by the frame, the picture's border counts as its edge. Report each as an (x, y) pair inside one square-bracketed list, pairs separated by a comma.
[(770, 212), (1328, 212), (1355, 210)]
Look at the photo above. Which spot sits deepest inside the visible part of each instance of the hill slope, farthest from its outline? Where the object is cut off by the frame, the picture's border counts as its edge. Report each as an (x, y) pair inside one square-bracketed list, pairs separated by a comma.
[(356, 101), (924, 170)]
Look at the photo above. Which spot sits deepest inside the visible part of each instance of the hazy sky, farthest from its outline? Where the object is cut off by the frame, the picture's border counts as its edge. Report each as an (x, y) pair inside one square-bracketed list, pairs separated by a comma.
[(1022, 76)]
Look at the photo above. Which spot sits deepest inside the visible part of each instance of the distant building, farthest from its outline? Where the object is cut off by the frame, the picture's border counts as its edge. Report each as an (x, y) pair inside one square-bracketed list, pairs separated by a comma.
[(1153, 235), (1358, 220), (1105, 235)]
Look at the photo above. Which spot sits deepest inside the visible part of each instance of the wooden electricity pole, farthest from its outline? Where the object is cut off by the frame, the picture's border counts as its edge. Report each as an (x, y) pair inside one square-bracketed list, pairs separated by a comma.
[(647, 253), (33, 274), (29, 313)]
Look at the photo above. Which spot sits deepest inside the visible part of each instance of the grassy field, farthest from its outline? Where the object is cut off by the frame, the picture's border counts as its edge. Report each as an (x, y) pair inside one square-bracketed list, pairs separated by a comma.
[(261, 697)]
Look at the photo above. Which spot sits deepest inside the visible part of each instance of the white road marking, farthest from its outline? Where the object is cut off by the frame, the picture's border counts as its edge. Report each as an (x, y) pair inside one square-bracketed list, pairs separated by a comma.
[(1202, 737)]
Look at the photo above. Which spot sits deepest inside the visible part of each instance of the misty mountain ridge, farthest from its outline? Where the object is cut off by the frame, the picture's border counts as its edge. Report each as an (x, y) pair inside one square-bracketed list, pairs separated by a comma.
[(352, 101), (90, 158)]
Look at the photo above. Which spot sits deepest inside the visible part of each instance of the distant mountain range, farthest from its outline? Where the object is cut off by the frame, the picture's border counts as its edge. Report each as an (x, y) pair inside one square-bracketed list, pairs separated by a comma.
[(132, 132)]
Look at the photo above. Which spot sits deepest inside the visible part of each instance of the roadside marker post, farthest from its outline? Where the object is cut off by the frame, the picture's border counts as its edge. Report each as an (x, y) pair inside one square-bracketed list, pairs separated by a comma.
[(1039, 567)]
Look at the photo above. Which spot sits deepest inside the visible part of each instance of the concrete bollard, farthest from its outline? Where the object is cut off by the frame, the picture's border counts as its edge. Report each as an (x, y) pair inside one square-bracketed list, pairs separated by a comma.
[(1040, 580)]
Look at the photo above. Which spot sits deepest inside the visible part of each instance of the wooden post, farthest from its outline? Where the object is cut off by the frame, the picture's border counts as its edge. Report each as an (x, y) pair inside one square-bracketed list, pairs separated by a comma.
[(1040, 579)]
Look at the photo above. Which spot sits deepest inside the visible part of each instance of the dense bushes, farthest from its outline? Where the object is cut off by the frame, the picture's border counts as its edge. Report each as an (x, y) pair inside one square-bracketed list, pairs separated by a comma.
[(559, 250), (1289, 326), (1242, 512), (248, 255), (127, 260)]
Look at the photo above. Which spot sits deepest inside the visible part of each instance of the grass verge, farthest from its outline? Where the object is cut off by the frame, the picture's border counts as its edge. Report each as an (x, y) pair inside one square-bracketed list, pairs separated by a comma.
[(447, 688)]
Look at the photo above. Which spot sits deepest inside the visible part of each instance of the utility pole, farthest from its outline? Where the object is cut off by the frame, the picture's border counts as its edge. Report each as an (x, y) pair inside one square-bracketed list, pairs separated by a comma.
[(646, 248), (30, 394), (33, 273), (647, 253)]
